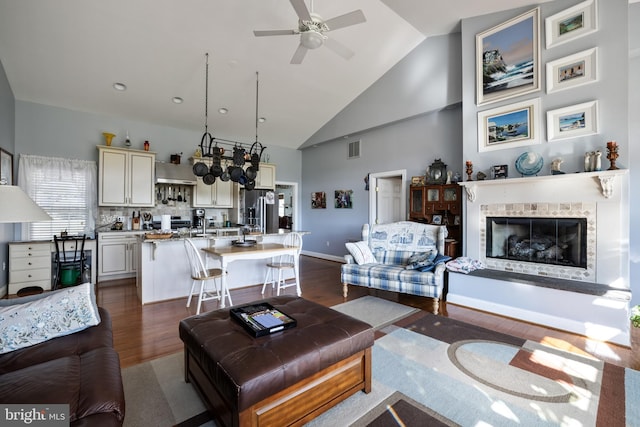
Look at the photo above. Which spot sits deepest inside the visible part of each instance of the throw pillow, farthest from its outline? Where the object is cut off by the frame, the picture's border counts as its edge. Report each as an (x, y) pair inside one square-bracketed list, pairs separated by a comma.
[(53, 315), (361, 252), (421, 259), (440, 258)]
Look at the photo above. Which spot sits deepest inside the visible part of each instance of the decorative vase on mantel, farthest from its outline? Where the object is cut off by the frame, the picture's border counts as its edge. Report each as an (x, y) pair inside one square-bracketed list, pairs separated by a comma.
[(108, 137)]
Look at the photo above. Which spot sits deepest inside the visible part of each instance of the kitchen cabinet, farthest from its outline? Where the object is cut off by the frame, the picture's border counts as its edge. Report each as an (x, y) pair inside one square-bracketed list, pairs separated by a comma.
[(118, 254), (126, 177), (29, 265), (439, 204), (218, 195), (266, 178)]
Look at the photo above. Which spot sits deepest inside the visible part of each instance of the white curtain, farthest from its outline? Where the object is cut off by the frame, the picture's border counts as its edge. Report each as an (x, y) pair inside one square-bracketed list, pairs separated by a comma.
[(65, 188)]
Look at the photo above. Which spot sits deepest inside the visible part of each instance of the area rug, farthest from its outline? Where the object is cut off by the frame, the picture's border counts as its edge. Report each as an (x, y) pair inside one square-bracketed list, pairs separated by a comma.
[(377, 312), (438, 371), (430, 370), (157, 395)]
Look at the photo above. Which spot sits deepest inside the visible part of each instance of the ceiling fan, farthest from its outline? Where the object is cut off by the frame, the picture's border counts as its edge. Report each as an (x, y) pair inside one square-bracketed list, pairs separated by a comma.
[(311, 28)]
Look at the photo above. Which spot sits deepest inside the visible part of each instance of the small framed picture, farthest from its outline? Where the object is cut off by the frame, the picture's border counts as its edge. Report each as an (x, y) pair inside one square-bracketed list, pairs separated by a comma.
[(343, 199), (571, 23), (456, 220), (436, 219), (509, 126), (318, 200), (574, 121), (500, 171), (6, 167), (572, 71)]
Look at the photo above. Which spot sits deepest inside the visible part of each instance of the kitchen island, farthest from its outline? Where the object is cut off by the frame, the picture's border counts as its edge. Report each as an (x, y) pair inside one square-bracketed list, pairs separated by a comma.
[(164, 273)]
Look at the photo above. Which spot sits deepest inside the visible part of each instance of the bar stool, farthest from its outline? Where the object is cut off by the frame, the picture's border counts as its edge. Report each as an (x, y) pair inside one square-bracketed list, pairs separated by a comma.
[(200, 273), (282, 263), (70, 260)]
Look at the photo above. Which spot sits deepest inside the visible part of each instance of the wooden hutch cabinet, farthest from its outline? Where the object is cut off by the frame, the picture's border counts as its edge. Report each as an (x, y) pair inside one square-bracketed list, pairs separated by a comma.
[(439, 204)]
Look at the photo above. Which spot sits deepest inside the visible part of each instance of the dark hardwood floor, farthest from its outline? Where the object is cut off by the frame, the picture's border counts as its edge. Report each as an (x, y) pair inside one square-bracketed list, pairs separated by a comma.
[(142, 333)]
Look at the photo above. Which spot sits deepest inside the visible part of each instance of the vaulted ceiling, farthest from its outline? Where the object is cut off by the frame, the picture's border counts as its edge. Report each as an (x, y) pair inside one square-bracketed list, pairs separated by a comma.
[(69, 53)]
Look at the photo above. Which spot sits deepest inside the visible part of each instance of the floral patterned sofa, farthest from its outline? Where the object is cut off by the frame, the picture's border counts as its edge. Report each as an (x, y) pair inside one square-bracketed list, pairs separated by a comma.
[(386, 259)]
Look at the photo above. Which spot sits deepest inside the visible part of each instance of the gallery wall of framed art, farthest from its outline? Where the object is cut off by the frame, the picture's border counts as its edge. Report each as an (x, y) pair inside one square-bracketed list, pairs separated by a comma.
[(556, 88)]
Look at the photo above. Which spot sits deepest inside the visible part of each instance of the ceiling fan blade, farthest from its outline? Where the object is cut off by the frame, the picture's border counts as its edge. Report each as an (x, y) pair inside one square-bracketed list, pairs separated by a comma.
[(338, 48), (301, 10), (259, 33), (298, 56), (351, 18)]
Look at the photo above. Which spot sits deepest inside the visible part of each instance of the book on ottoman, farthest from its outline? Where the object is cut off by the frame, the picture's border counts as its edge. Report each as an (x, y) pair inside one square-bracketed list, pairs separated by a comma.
[(261, 319)]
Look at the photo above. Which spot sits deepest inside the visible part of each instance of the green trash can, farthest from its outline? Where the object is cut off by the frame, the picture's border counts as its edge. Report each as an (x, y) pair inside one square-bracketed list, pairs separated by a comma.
[(69, 275)]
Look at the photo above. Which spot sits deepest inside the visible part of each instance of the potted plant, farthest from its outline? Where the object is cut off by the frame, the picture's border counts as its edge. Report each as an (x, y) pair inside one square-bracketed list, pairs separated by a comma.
[(635, 316)]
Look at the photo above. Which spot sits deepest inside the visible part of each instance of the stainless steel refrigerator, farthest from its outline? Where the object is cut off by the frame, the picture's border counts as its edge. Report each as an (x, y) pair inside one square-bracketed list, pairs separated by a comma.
[(261, 210)]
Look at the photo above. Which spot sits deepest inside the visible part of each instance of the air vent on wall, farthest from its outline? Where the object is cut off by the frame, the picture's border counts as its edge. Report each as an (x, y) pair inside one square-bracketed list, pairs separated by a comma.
[(354, 150)]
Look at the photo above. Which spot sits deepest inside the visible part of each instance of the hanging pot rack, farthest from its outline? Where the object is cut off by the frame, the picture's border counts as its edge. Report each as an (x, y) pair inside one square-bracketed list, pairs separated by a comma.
[(242, 152)]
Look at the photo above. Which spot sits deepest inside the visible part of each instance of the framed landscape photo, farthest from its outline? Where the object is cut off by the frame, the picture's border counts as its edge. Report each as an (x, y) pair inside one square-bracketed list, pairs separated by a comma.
[(508, 59), (572, 23), (6, 167), (514, 125), (574, 70), (574, 121)]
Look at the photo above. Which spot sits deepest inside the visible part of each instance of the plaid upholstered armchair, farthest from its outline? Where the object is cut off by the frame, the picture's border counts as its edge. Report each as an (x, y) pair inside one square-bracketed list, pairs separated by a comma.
[(405, 257)]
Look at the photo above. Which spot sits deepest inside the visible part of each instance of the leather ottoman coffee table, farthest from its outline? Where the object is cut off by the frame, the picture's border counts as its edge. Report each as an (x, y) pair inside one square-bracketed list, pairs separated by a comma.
[(287, 378)]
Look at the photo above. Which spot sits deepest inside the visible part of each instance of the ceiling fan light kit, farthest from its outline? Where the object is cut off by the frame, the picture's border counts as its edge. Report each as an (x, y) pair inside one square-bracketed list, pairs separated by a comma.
[(312, 29), (311, 39)]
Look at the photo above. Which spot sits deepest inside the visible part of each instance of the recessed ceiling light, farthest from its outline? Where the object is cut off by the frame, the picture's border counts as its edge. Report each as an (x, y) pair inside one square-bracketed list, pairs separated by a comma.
[(120, 86), (177, 100), (262, 119), (223, 110)]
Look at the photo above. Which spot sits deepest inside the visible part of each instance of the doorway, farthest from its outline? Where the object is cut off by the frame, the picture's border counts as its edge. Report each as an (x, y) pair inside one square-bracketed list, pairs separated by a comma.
[(287, 199), (387, 197)]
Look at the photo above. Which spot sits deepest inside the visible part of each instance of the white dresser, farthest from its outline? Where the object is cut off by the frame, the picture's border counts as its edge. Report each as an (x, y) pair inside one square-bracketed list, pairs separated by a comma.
[(29, 265)]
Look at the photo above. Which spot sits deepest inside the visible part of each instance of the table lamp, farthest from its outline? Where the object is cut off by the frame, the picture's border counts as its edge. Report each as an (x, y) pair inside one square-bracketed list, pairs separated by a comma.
[(16, 206)]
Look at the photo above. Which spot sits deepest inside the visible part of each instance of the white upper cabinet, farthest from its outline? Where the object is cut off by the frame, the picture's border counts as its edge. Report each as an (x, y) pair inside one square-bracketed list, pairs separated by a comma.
[(266, 178), (126, 177)]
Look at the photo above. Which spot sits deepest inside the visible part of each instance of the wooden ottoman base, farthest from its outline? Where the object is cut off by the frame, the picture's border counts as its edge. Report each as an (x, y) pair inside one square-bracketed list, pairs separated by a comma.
[(294, 405)]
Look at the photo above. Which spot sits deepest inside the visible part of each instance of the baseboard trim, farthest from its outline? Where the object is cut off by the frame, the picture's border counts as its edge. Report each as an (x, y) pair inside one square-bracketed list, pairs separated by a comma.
[(323, 256)]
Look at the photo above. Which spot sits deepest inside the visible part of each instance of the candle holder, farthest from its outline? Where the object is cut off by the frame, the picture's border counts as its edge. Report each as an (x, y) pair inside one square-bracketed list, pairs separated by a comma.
[(612, 154), (469, 170)]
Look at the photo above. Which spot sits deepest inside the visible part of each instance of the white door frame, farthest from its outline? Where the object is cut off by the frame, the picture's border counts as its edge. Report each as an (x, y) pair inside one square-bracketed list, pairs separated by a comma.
[(295, 214), (373, 182)]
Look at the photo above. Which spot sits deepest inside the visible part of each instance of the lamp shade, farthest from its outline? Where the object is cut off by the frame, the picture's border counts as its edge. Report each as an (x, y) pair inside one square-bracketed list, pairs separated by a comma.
[(16, 206)]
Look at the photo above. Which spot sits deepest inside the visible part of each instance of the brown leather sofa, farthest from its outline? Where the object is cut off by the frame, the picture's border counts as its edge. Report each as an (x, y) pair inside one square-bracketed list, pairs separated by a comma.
[(81, 370)]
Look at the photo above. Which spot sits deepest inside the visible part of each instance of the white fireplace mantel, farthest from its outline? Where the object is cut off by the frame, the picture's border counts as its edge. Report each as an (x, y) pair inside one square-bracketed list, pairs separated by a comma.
[(602, 198), (604, 178)]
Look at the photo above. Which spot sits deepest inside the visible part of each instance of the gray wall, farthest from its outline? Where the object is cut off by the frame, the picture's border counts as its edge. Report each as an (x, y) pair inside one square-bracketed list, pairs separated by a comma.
[(426, 80), (412, 145), (7, 131), (59, 132)]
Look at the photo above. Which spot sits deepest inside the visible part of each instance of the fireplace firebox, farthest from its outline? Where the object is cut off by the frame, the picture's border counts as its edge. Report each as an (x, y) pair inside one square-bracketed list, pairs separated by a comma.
[(554, 241)]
